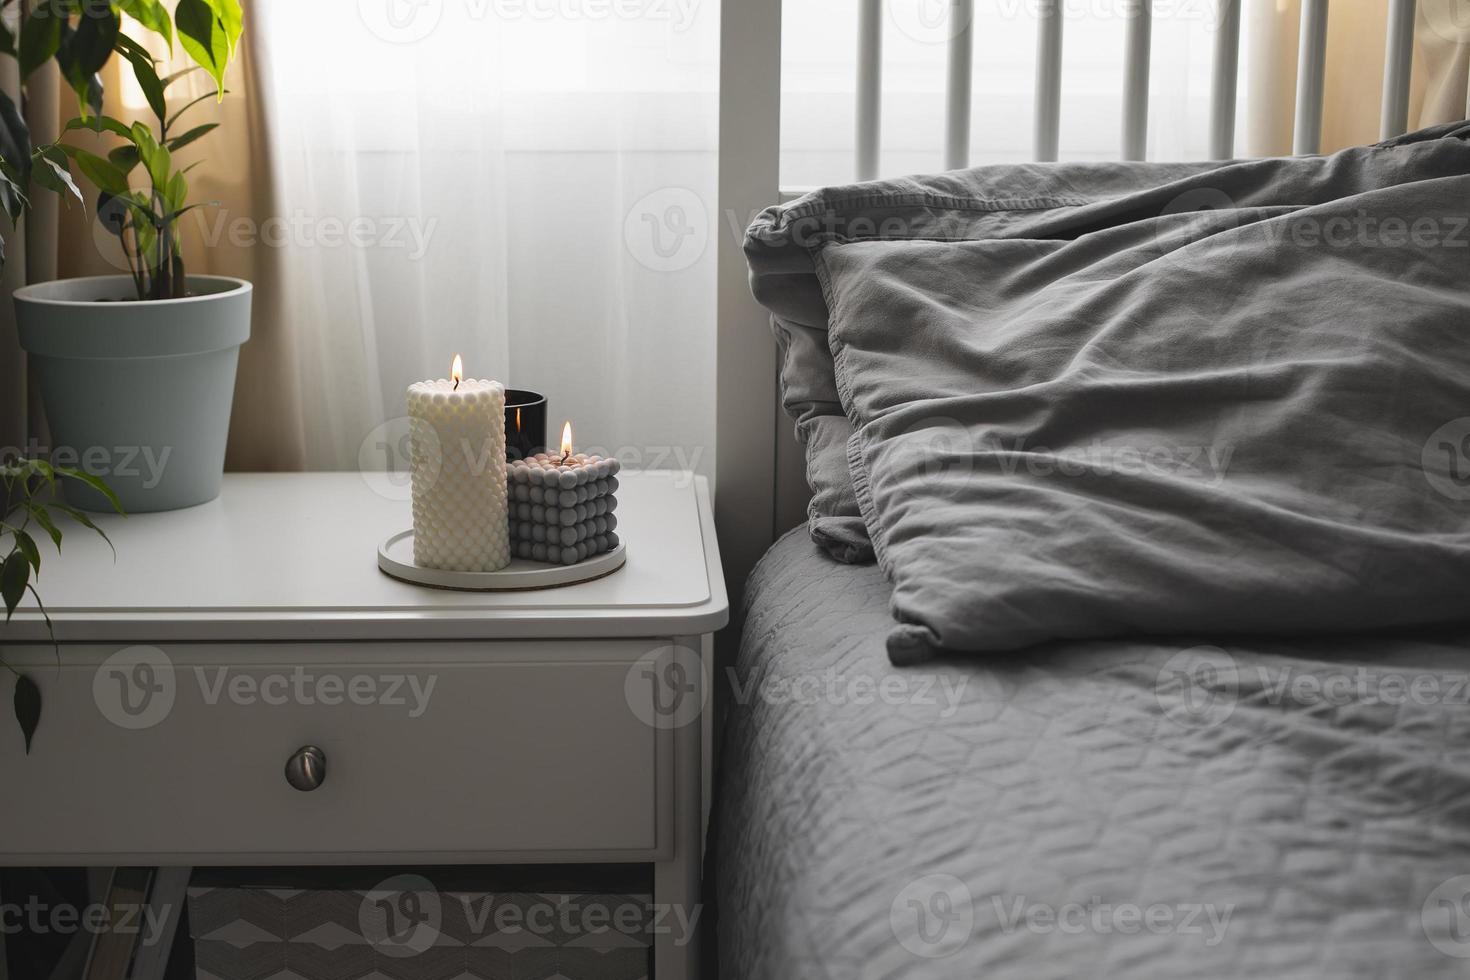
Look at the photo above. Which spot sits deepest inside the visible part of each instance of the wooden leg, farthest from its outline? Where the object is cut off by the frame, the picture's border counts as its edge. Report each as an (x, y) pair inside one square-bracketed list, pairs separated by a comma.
[(676, 882), (4, 967), (166, 901), (74, 958)]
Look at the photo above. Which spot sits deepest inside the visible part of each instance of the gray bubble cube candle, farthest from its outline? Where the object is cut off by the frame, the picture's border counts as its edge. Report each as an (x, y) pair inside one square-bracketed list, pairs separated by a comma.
[(561, 507)]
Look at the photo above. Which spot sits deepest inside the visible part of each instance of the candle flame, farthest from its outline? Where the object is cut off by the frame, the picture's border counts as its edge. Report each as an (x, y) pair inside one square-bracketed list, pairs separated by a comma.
[(566, 440), (518, 420), (456, 371)]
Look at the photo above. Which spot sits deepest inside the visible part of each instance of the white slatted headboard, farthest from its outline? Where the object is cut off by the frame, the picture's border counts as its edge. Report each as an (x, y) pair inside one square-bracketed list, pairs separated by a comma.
[(760, 488)]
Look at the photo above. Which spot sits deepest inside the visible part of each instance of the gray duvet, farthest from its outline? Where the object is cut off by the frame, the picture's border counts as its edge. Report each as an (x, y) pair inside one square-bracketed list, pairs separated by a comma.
[(1169, 807), (1243, 419)]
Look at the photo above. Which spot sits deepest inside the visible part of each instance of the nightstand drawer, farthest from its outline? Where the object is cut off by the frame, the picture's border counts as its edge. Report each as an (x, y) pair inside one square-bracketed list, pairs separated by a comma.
[(433, 752)]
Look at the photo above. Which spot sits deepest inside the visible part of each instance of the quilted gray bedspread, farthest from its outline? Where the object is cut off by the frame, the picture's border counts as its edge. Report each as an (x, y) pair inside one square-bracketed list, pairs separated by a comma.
[(1159, 808)]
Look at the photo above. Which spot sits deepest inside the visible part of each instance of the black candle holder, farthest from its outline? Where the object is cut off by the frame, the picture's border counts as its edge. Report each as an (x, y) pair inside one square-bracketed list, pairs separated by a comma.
[(525, 423)]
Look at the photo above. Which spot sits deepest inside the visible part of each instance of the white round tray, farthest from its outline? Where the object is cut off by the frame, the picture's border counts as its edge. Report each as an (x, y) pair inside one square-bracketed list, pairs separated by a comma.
[(395, 557)]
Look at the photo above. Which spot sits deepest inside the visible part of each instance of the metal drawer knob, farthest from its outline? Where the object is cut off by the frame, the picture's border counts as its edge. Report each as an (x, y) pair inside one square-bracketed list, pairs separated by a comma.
[(307, 768)]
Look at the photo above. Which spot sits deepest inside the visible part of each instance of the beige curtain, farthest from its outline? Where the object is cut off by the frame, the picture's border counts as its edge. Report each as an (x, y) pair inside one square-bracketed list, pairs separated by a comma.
[(1355, 63)]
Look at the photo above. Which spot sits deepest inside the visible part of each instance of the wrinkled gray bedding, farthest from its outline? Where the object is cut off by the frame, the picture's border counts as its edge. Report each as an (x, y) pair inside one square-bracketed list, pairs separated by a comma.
[(1140, 808), (1251, 418), (1055, 202)]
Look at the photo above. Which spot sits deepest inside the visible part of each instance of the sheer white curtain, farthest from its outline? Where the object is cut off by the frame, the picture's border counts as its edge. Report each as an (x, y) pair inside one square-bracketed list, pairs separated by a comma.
[(529, 183)]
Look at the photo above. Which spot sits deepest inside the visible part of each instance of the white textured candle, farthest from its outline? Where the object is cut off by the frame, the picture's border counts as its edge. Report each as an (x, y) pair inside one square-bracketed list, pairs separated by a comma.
[(457, 445)]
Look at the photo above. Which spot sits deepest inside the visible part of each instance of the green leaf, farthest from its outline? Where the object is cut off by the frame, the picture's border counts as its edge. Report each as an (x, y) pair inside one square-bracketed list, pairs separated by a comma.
[(181, 73), (175, 215), (40, 469), (106, 175), (98, 123), (124, 157), (54, 174), (96, 484), (145, 226), (156, 159), (179, 142), (114, 212), (12, 196), (27, 546), (15, 151), (125, 45), (40, 39), (90, 44), (50, 626), (204, 38), (143, 137), (43, 518), (82, 518), (176, 194), (27, 706), (84, 50), (189, 105), (152, 15), (232, 19), (15, 575), (147, 76)]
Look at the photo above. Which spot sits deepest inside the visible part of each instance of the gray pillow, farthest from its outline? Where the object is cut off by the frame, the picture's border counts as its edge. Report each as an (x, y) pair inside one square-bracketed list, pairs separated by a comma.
[(1045, 201), (984, 202), (1251, 420)]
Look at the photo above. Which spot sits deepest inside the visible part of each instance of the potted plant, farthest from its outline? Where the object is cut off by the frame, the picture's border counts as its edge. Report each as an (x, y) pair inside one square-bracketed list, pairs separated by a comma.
[(82, 36), (28, 509), (137, 371)]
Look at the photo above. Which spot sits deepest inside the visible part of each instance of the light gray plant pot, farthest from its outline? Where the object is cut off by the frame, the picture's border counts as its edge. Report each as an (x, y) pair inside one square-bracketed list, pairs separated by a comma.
[(138, 393)]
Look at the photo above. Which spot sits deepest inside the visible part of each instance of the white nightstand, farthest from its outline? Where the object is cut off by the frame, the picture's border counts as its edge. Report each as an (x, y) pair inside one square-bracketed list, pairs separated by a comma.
[(557, 726)]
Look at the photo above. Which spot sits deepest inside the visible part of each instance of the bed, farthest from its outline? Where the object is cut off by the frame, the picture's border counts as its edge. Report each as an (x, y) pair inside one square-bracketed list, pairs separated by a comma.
[(1009, 704), (1100, 782), (1106, 603)]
